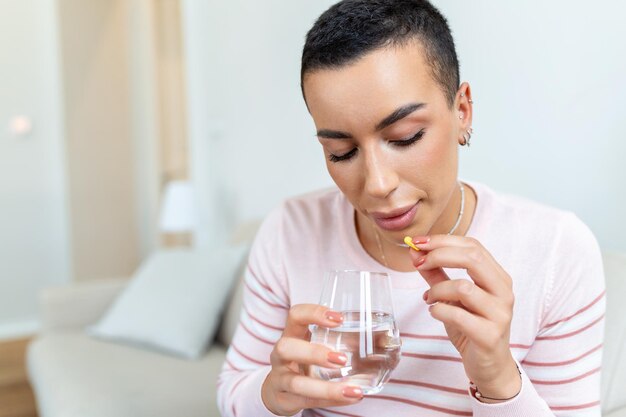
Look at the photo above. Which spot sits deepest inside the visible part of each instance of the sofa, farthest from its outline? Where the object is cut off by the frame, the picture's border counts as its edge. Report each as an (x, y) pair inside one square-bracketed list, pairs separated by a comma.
[(74, 375)]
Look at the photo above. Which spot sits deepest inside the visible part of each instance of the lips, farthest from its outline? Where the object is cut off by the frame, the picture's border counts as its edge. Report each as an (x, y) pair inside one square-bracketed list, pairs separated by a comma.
[(396, 219)]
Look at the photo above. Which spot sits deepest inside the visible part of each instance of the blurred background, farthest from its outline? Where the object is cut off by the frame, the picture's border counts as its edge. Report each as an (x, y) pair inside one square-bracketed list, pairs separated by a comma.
[(131, 125)]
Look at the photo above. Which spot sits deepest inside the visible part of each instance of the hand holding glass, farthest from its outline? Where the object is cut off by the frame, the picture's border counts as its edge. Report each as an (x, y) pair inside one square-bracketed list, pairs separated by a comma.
[(368, 335)]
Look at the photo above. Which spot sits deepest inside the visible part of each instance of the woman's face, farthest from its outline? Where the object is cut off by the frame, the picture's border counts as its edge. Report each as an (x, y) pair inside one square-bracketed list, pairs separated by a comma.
[(389, 137)]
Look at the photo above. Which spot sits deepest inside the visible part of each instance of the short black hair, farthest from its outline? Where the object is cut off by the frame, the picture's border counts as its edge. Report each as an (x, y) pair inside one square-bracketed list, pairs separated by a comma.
[(352, 28)]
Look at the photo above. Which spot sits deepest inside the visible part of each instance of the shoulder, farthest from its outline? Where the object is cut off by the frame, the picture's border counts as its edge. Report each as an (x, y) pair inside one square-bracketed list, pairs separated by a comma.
[(565, 231), (545, 248), (522, 209), (518, 230), (526, 218)]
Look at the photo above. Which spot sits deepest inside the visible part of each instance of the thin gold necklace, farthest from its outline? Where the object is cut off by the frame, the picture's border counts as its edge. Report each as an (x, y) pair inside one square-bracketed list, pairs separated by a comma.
[(458, 221)]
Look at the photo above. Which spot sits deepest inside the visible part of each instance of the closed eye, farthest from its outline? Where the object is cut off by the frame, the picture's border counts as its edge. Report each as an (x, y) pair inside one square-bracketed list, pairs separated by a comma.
[(410, 141), (399, 143)]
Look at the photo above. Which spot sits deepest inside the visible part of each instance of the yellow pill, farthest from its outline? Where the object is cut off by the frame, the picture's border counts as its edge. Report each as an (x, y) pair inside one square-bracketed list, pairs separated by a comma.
[(409, 241)]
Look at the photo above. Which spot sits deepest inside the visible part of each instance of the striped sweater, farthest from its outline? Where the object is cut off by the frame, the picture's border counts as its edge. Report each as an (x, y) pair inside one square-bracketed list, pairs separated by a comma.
[(556, 331)]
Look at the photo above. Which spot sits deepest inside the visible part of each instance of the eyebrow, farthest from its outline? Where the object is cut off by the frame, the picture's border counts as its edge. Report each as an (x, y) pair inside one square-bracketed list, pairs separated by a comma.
[(398, 114)]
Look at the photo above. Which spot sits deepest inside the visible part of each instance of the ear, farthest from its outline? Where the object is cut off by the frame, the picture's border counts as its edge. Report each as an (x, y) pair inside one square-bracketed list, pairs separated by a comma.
[(464, 110)]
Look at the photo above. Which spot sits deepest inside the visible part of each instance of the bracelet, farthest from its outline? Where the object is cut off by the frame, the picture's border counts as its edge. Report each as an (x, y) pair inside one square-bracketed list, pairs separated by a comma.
[(478, 395)]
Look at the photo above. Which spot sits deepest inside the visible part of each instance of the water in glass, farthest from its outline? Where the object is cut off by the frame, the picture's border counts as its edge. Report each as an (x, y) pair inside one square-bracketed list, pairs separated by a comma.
[(368, 335)]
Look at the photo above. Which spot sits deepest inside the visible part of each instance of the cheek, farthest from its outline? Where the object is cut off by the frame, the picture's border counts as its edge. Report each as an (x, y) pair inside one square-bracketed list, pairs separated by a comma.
[(429, 161), (430, 167), (343, 175), (348, 178)]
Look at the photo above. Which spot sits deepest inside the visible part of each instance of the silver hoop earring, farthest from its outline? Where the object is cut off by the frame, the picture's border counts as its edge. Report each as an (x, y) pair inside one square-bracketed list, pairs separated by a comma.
[(467, 136)]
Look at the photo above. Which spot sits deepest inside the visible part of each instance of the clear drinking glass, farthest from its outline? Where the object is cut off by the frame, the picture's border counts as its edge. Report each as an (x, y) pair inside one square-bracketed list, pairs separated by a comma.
[(368, 336)]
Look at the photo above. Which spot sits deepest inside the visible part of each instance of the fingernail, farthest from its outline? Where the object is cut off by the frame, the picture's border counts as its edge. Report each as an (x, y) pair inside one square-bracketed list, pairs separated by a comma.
[(334, 316), (337, 357), (420, 262), (352, 392), (425, 296), (421, 240)]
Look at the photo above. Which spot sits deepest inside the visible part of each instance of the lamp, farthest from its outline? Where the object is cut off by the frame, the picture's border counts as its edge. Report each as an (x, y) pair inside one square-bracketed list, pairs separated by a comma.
[(178, 211)]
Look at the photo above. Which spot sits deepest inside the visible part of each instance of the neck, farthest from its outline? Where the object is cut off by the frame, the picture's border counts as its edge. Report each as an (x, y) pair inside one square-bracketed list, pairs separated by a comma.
[(396, 256)]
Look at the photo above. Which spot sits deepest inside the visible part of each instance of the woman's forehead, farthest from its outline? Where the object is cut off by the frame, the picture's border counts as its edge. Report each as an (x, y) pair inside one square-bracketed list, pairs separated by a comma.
[(369, 89)]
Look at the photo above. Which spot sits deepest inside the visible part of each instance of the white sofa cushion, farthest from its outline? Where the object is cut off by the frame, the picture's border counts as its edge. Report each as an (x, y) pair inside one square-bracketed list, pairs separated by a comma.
[(75, 375), (173, 302), (614, 355)]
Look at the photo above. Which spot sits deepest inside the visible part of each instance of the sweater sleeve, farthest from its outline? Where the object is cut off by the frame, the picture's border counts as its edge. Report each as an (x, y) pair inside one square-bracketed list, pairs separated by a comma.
[(561, 373), (263, 316)]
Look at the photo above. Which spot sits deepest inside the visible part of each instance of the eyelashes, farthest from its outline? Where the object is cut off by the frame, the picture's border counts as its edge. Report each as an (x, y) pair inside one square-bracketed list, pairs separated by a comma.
[(399, 143), (344, 157)]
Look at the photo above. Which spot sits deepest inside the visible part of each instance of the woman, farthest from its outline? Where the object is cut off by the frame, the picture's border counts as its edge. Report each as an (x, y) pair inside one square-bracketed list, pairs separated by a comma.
[(517, 332)]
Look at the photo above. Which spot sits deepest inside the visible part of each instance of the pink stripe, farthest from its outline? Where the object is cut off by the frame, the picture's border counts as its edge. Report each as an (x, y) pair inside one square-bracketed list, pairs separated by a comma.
[(262, 322), (572, 333), (576, 407), (339, 412), (519, 346), (440, 337), (259, 281), (567, 362), (432, 357), (248, 357), (423, 405), (232, 390), (255, 336), (263, 299), (426, 385), (424, 336), (229, 363), (566, 381), (587, 307)]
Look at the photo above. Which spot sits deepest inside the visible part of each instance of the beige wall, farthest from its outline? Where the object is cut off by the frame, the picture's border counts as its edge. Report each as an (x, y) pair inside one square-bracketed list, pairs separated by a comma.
[(170, 65), (124, 106), (95, 71)]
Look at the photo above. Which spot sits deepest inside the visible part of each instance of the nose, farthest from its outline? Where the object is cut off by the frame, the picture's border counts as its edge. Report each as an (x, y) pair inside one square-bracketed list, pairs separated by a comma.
[(380, 176)]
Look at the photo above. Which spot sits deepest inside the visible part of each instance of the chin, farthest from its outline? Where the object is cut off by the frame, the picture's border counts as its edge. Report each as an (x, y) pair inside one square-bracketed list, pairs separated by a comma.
[(397, 236)]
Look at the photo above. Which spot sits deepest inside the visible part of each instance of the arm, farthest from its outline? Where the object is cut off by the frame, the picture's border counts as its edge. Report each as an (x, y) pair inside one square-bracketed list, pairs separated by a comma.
[(564, 362), (263, 368), (561, 372), (262, 319), (560, 376), (247, 364)]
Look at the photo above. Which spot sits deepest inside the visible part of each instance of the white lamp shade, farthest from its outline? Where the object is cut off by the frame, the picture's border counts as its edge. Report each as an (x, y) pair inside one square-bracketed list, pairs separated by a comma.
[(178, 211)]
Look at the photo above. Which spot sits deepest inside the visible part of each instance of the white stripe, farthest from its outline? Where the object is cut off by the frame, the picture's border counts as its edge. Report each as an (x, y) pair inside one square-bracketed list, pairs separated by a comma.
[(242, 363), (584, 412), (258, 288), (429, 347), (262, 310), (428, 396), (259, 329), (572, 370)]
